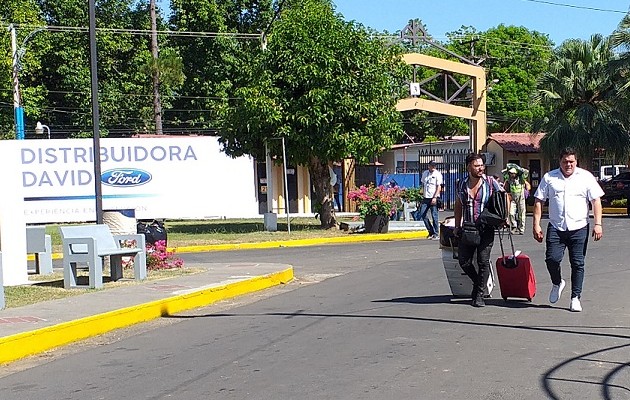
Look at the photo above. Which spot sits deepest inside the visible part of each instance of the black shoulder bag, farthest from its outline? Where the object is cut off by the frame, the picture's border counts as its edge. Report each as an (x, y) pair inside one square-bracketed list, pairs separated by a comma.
[(495, 212)]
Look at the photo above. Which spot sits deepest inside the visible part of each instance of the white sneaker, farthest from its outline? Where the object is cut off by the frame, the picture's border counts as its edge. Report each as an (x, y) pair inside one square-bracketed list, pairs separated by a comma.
[(576, 306), (556, 292)]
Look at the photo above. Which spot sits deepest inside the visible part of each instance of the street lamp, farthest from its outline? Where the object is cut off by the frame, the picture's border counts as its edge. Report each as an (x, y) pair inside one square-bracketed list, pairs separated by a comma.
[(17, 53), (39, 129)]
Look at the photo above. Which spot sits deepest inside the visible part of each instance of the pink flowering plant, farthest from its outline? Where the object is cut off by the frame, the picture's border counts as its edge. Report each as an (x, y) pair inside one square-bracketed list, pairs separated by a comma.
[(158, 257), (376, 200)]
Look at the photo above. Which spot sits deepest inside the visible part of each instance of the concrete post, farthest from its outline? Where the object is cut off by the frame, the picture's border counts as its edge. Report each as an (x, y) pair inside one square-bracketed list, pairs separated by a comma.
[(2, 301), (12, 221)]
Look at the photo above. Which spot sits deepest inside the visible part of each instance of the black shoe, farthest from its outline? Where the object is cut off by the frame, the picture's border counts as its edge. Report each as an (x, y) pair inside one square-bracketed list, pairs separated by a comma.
[(478, 301)]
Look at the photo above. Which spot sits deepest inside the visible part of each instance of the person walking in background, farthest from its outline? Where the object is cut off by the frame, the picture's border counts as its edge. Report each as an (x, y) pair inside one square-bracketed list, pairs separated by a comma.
[(498, 179), (569, 190), (473, 193), (432, 182), (517, 185)]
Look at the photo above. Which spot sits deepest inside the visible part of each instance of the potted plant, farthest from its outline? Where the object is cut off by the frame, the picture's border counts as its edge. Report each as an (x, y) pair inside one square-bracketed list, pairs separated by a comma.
[(376, 205)]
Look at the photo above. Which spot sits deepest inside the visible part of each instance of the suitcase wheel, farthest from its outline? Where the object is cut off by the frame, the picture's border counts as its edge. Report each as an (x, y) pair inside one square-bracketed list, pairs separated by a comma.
[(529, 299), (505, 299)]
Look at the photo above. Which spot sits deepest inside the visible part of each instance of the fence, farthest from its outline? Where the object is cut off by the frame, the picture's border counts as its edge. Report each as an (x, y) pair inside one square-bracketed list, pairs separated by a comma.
[(451, 163)]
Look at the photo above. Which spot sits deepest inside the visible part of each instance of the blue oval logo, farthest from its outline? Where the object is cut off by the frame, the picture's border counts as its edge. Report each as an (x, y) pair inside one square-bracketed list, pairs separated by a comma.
[(125, 177)]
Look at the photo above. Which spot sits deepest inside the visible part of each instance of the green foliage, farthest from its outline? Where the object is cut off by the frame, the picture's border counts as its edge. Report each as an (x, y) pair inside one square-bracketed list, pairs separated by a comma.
[(516, 57), (325, 85), (619, 203), (215, 65), (412, 194), (25, 15), (55, 76), (582, 92)]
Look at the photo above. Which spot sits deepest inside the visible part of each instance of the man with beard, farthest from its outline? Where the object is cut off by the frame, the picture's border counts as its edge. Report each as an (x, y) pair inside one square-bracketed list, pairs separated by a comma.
[(473, 193)]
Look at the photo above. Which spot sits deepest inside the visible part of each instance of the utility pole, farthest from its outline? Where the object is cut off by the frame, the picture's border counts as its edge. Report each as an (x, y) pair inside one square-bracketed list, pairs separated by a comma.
[(96, 134), (18, 110), (157, 104)]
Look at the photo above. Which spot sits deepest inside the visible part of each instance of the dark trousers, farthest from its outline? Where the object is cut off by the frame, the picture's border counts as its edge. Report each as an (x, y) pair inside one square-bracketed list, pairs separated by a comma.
[(466, 254), (432, 226), (576, 241)]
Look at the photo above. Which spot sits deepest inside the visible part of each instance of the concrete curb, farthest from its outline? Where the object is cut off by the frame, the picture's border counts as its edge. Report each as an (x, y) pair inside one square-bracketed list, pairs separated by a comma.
[(304, 242), (355, 238), (25, 344)]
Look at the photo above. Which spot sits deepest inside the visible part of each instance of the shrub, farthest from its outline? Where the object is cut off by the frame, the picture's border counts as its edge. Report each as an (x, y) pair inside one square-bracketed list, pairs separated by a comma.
[(376, 200), (412, 194), (158, 257), (619, 203)]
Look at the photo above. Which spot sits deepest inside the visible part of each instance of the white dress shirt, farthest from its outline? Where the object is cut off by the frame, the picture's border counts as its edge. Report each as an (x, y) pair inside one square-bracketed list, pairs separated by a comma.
[(430, 182), (568, 197)]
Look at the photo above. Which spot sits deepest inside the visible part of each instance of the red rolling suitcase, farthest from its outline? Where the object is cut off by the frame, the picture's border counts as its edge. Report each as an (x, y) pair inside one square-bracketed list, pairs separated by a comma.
[(515, 272)]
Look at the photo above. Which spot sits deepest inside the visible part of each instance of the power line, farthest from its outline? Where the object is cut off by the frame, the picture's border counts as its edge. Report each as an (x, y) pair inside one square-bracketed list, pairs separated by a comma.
[(552, 3), (61, 28)]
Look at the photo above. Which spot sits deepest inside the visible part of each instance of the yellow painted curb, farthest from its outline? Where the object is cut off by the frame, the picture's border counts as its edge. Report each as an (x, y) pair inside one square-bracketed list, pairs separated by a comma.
[(24, 344), (304, 242), (55, 256), (289, 243)]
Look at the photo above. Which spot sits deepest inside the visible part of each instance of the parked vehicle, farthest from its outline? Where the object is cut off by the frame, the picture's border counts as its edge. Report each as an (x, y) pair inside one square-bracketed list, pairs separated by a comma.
[(615, 188), (606, 172)]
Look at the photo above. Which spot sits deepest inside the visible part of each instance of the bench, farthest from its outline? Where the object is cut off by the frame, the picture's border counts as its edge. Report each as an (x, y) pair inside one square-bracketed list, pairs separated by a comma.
[(409, 209), (40, 244), (90, 244)]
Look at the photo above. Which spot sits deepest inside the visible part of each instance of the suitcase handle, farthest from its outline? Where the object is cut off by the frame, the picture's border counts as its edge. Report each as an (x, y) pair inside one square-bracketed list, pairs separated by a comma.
[(510, 262)]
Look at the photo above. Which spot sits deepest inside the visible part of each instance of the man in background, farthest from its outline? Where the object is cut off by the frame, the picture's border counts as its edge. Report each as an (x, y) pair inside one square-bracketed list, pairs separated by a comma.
[(517, 185), (432, 185)]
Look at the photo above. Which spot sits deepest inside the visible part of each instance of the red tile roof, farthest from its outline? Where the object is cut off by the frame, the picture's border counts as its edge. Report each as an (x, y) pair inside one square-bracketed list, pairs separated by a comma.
[(518, 142)]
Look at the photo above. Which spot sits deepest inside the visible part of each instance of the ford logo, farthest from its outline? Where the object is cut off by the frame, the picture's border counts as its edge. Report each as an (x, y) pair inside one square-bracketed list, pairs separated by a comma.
[(125, 177)]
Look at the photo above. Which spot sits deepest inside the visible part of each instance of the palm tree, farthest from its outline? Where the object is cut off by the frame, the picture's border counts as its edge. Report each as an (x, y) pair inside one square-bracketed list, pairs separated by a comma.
[(584, 95)]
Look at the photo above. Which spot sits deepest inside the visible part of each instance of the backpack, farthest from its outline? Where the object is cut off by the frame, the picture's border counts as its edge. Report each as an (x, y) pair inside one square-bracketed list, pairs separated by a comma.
[(495, 212), (152, 231)]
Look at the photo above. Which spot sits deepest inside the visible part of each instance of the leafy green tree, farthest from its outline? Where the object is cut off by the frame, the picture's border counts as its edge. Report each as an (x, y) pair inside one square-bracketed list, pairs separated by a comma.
[(25, 15), (582, 92), (214, 62), (125, 95), (329, 87), (514, 58)]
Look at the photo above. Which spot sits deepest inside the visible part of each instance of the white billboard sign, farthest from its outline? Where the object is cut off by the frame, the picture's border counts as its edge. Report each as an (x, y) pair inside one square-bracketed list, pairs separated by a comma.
[(182, 177)]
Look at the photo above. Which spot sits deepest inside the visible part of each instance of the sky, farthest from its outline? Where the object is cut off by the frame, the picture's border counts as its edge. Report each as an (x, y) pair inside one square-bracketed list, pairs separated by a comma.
[(560, 19)]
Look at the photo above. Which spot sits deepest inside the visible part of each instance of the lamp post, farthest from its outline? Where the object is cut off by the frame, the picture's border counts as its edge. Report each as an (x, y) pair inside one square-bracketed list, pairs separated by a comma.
[(17, 53), (18, 110), (39, 129)]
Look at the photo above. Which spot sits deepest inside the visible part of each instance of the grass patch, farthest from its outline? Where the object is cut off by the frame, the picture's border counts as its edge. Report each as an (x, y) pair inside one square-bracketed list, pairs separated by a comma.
[(50, 287), (18, 296)]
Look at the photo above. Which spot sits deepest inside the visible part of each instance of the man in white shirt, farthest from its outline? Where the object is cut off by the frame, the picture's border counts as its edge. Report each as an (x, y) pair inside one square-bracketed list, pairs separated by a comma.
[(569, 190), (432, 183)]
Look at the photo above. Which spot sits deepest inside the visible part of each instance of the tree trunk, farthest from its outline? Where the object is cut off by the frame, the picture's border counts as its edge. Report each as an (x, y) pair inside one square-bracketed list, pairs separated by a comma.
[(323, 196)]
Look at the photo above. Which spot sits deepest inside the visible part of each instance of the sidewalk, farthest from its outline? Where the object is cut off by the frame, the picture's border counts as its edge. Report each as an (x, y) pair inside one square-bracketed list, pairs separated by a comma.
[(42, 326)]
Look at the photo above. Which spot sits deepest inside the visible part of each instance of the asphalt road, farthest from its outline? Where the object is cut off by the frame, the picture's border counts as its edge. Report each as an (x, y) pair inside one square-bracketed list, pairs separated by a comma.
[(379, 324)]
